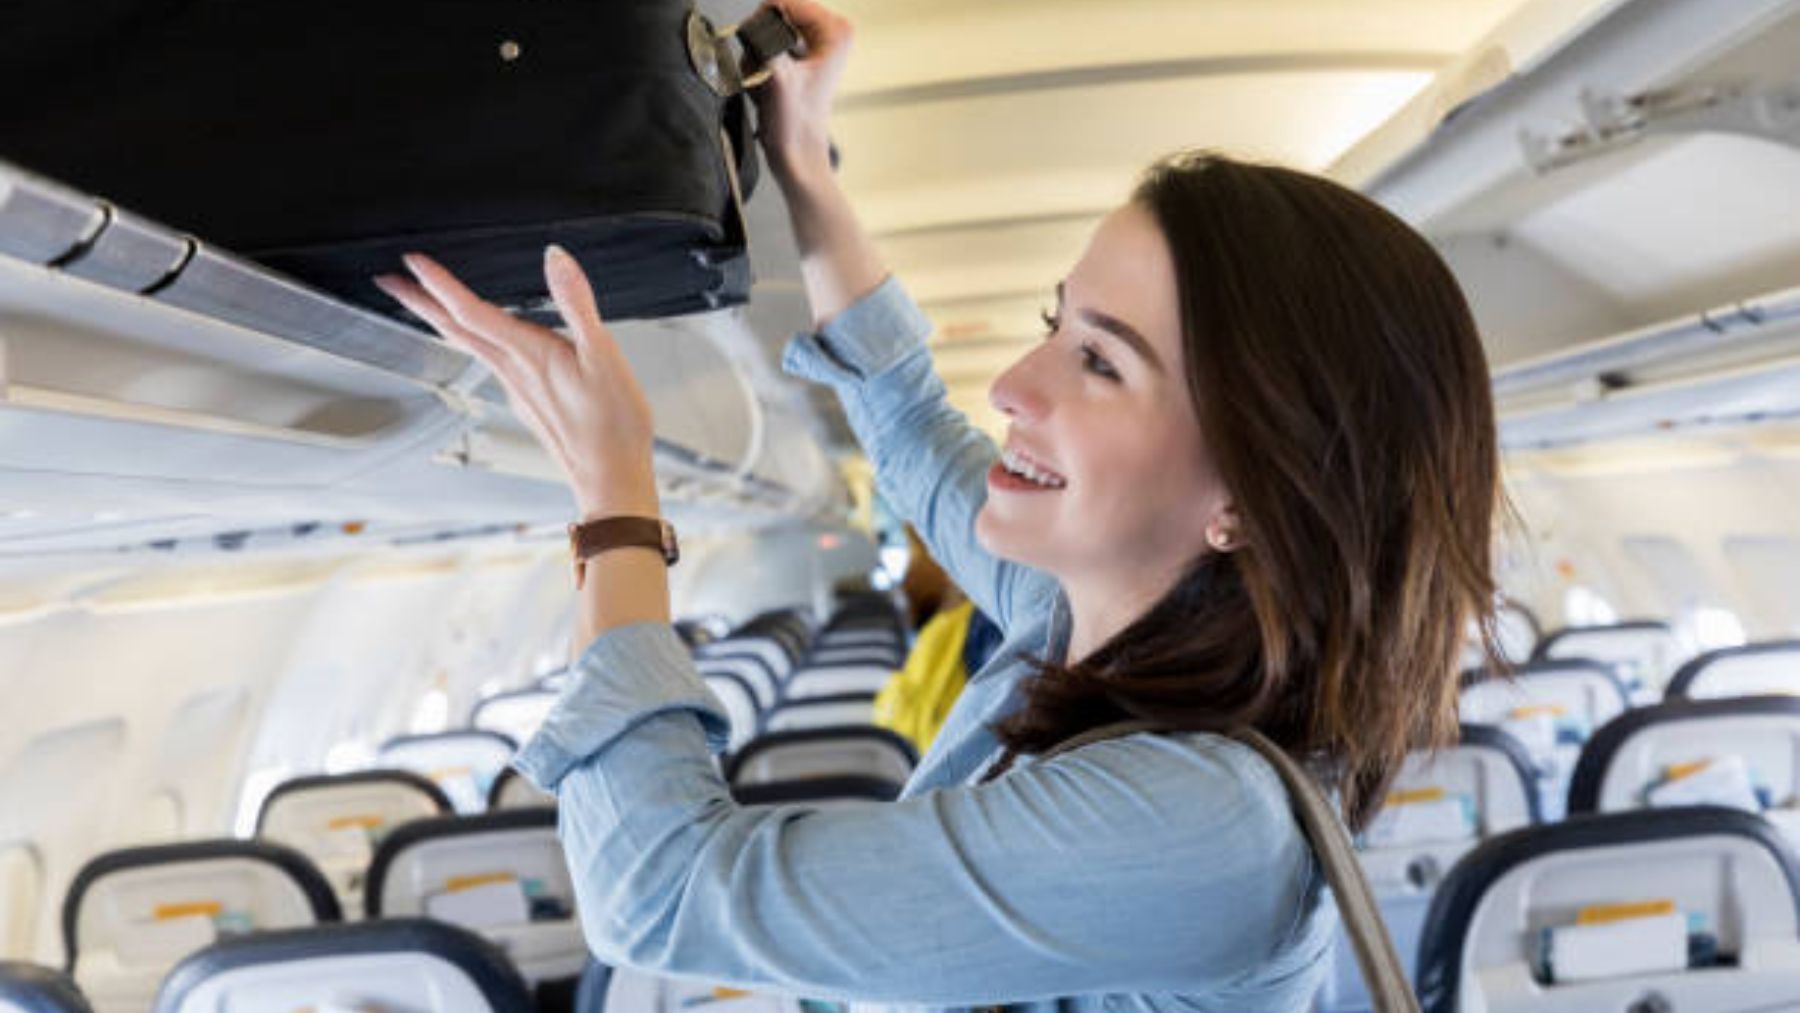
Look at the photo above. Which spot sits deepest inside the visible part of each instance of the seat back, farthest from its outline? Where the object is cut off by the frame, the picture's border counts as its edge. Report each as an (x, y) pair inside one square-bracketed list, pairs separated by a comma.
[(1697, 909), (1440, 806), (501, 874), (1552, 708), (515, 715), (512, 791), (1741, 752), (857, 750), (740, 706), (1644, 653), (463, 762), (752, 670), (836, 680), (130, 915), (821, 712), (1771, 668), (848, 789), (1517, 631), (29, 988), (336, 820), (888, 656), (411, 964)]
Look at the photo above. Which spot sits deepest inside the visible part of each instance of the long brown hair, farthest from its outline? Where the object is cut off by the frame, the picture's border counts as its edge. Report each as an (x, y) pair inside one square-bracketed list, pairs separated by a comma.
[(1342, 391)]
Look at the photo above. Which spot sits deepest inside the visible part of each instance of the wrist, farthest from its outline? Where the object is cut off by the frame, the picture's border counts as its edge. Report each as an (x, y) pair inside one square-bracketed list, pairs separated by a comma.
[(636, 501), (801, 172)]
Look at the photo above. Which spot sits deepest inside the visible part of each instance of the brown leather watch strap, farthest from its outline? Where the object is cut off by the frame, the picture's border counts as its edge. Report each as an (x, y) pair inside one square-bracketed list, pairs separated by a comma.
[(590, 538)]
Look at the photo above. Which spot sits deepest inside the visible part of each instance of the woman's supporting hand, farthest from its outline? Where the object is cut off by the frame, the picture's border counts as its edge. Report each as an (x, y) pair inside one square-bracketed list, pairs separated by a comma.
[(794, 105), (577, 395)]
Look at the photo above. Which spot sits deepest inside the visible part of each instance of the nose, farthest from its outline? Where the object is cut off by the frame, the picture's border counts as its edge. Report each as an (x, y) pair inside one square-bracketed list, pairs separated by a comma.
[(1019, 392)]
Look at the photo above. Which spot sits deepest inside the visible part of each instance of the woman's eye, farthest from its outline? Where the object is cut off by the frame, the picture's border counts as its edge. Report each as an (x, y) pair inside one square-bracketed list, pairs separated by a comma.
[(1095, 363)]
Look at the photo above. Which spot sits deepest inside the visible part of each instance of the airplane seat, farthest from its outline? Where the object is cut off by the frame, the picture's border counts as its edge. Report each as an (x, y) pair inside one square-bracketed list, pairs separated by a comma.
[(1440, 807), (31, 988), (834, 711), (1770, 668), (624, 990), (818, 680), (1552, 707), (1517, 630), (739, 701), (1741, 752), (512, 791), (501, 874), (858, 750), (412, 964), (336, 820), (515, 714), (1643, 652), (1650, 910), (772, 653), (463, 762), (886, 656), (752, 669), (132, 914)]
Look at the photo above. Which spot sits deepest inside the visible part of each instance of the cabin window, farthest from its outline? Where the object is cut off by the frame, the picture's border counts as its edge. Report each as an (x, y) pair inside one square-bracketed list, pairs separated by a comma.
[(1764, 567), (21, 889), (1584, 606), (1687, 597)]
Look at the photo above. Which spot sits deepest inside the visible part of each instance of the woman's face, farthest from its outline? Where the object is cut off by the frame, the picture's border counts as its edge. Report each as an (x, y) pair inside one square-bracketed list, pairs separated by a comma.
[(1117, 485)]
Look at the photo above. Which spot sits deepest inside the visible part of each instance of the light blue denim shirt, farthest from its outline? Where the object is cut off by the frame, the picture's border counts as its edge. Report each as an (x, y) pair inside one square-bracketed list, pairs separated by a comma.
[(1142, 873)]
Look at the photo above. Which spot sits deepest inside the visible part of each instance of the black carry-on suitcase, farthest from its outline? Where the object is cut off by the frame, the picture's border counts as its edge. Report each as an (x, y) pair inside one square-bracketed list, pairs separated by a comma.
[(323, 140)]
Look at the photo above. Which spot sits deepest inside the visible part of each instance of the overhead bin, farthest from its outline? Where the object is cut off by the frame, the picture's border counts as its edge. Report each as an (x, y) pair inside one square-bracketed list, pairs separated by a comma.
[(226, 380)]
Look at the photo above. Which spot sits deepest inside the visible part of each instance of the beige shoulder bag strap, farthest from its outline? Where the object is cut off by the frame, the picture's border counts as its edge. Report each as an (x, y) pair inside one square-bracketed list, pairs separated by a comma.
[(1383, 974)]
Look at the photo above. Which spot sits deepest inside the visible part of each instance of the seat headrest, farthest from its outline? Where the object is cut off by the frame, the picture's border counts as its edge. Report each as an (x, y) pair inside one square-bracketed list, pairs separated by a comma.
[(401, 781), (283, 865), (434, 966), (1601, 751), (847, 788), (1535, 852), (410, 841), (881, 743), (1765, 663)]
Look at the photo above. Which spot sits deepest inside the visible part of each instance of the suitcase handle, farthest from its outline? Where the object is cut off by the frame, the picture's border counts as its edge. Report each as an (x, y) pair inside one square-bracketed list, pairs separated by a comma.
[(759, 39)]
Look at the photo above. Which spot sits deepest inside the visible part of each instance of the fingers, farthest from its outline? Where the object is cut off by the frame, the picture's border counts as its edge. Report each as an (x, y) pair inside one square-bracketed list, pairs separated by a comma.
[(574, 298), (476, 314), (408, 294)]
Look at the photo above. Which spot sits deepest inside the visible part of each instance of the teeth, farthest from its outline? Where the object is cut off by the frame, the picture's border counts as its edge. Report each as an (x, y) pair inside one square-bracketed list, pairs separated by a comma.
[(1019, 465)]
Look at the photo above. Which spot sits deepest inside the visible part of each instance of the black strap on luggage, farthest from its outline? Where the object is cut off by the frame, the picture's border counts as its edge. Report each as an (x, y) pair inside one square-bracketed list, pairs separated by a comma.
[(1383, 974)]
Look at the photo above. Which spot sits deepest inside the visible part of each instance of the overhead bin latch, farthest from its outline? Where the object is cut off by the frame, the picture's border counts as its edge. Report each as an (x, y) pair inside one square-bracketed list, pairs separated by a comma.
[(736, 59), (1612, 121)]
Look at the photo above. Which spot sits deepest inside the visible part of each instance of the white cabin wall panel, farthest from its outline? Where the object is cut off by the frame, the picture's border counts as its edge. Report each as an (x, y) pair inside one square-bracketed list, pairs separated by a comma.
[(743, 574)]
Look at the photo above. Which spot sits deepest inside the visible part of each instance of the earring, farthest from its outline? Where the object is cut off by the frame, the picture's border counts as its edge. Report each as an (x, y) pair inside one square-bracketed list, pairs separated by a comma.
[(1219, 537)]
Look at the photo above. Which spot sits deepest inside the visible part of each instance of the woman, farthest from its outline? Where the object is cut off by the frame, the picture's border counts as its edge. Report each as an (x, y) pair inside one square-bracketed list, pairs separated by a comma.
[(1248, 481)]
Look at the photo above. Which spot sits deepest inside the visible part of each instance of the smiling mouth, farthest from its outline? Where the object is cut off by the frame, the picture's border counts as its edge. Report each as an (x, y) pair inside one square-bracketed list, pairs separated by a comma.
[(1016, 465)]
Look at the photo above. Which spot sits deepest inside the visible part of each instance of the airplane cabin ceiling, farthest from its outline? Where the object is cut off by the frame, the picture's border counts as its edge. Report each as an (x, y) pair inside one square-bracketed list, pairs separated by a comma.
[(981, 142)]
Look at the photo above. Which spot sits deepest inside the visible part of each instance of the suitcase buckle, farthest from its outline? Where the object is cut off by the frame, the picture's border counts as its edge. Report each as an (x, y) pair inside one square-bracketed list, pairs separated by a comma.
[(736, 58)]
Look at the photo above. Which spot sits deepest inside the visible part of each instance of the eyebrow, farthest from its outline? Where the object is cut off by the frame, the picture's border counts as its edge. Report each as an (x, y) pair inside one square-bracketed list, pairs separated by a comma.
[(1118, 329)]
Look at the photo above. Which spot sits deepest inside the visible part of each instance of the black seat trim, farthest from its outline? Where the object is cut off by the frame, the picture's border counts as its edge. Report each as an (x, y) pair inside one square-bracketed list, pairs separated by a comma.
[(37, 989), (1684, 677), (507, 776), (485, 963), (297, 866), (817, 789), (417, 782), (800, 736), (1542, 651), (408, 834), (1597, 755), (1447, 920)]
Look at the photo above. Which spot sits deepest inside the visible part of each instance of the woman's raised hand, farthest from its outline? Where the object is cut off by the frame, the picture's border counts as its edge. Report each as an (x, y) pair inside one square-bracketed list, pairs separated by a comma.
[(794, 106), (577, 394)]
